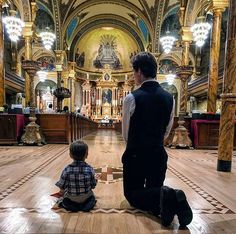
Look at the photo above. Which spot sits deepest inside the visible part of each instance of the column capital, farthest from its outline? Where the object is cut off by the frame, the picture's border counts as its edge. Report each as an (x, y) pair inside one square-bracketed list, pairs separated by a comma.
[(59, 60), (186, 34), (184, 72), (219, 5), (59, 57)]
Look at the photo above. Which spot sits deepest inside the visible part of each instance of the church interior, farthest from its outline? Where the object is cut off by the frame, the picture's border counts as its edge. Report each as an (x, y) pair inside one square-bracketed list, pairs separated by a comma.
[(65, 69)]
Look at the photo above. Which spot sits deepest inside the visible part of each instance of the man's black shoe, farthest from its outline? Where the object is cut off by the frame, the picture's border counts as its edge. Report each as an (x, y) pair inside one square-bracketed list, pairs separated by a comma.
[(167, 205), (184, 212)]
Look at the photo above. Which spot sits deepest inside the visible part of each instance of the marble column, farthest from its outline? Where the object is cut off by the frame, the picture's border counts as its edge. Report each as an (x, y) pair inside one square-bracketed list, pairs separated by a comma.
[(2, 75), (226, 136), (71, 85), (32, 133), (72, 99), (184, 72), (84, 98), (66, 84), (57, 92), (214, 60), (28, 56)]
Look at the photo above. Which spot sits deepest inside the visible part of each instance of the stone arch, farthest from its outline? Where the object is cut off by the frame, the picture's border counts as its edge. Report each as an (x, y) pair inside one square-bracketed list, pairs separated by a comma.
[(124, 3), (193, 8), (40, 52), (44, 94), (177, 57)]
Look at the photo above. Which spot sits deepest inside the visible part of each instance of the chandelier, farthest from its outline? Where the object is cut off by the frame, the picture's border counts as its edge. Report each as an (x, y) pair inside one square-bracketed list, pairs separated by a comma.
[(42, 75), (200, 31), (170, 78), (48, 39), (13, 26), (167, 42)]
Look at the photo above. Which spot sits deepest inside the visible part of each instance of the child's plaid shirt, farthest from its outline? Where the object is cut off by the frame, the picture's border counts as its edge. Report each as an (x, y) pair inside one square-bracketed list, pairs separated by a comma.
[(77, 178)]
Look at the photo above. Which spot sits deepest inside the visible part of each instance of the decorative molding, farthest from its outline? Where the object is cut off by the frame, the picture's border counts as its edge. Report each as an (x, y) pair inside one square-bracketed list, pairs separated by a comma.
[(56, 10), (158, 25)]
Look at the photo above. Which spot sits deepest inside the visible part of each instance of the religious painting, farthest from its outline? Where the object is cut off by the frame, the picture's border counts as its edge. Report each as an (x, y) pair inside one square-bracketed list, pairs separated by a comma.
[(167, 66), (47, 63), (79, 58), (107, 53), (106, 77), (106, 96)]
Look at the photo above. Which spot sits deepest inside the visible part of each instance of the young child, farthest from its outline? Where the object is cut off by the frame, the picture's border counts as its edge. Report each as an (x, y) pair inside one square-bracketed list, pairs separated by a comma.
[(77, 180)]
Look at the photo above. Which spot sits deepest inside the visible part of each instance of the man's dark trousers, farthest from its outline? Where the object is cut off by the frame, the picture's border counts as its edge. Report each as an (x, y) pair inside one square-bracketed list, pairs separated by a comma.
[(144, 174)]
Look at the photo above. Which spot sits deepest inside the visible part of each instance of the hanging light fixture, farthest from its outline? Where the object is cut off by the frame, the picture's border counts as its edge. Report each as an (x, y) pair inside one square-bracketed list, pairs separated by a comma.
[(48, 38), (13, 26), (167, 42), (200, 31), (170, 78), (42, 75)]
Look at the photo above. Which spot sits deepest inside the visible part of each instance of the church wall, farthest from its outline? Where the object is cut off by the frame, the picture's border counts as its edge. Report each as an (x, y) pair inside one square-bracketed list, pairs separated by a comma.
[(161, 79), (202, 105)]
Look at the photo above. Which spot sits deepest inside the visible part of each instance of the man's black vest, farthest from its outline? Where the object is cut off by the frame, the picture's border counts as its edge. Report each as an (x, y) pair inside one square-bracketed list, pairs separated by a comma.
[(153, 106)]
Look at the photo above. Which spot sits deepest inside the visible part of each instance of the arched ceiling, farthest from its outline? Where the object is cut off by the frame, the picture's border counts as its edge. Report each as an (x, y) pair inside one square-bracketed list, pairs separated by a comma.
[(144, 16), (138, 20)]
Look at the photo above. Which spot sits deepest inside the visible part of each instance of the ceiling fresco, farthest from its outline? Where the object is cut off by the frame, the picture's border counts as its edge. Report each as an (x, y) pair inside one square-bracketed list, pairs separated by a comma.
[(139, 20), (105, 46)]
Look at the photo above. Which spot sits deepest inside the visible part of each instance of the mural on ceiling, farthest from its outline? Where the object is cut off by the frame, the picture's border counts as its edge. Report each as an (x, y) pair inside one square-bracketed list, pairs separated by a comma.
[(144, 30), (45, 5), (170, 4), (79, 58), (43, 20), (167, 66), (171, 24), (105, 45), (107, 53), (73, 25), (47, 63)]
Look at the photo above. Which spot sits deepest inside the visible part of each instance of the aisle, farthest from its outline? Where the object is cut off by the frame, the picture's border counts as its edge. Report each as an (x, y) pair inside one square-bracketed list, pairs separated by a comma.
[(28, 175)]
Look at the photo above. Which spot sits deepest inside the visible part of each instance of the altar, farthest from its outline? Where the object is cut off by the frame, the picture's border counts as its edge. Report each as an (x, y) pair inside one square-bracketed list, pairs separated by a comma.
[(106, 123), (104, 97), (106, 110)]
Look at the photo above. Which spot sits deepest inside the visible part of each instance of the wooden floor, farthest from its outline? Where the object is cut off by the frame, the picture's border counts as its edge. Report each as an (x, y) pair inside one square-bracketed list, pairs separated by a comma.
[(28, 175)]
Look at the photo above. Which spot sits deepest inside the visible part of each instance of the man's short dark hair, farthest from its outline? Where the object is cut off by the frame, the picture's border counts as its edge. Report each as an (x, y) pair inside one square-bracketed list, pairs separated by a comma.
[(78, 150), (50, 105), (147, 64)]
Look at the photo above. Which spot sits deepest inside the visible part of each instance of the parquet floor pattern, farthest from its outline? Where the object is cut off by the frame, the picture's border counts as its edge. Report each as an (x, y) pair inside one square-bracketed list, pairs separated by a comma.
[(28, 175)]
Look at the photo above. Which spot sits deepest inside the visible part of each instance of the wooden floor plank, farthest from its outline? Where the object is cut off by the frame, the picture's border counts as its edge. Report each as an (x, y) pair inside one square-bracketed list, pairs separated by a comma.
[(28, 176)]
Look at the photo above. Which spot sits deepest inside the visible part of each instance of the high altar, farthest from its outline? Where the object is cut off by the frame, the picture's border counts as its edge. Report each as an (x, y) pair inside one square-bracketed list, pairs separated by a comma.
[(104, 99)]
